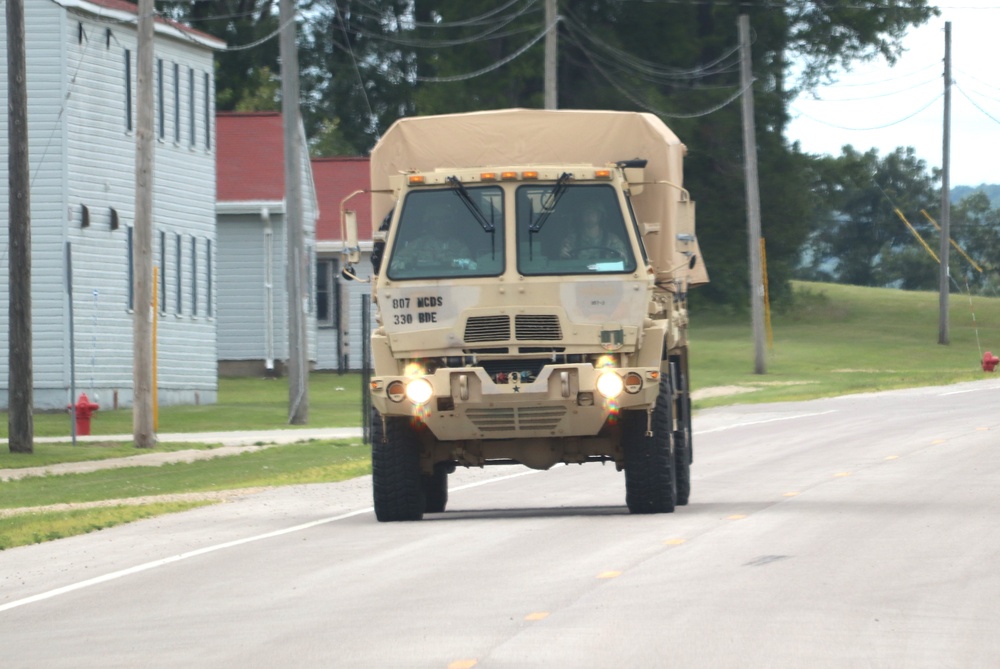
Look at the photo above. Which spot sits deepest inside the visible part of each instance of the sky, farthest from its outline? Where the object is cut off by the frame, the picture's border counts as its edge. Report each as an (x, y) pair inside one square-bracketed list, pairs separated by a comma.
[(878, 106)]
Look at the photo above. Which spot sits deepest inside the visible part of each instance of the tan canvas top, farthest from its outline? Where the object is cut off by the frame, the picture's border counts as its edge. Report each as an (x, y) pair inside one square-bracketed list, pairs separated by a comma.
[(537, 137)]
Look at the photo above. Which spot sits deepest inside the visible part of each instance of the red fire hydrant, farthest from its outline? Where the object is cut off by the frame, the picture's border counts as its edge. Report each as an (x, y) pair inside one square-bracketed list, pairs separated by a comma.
[(83, 408), (989, 361)]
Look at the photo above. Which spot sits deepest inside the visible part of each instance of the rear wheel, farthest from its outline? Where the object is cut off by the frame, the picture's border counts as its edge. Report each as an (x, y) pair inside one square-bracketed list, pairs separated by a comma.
[(397, 483), (436, 488), (650, 485), (683, 448)]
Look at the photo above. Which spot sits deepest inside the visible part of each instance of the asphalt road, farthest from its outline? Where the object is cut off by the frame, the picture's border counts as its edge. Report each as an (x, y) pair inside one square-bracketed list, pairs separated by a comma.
[(855, 532)]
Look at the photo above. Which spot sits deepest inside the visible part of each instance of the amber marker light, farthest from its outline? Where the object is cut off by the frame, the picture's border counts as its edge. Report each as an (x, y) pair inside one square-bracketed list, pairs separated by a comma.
[(529, 174), (416, 179), (488, 176), (508, 176), (602, 174)]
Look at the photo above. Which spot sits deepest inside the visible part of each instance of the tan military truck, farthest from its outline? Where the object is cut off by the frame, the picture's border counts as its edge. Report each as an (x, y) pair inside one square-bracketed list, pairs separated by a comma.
[(531, 271)]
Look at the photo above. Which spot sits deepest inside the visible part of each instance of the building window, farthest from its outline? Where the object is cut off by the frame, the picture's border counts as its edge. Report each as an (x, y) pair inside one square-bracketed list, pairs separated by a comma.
[(179, 274), (194, 275), (177, 103), (160, 111), (163, 272), (326, 293), (208, 112), (208, 278), (128, 90), (130, 290), (191, 107)]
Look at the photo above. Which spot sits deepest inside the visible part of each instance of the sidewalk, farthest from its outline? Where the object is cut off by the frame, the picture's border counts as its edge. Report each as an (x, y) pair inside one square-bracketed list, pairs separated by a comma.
[(233, 443)]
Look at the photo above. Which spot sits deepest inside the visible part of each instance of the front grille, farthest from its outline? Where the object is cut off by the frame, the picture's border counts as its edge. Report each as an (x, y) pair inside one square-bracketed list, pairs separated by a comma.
[(511, 420), (537, 327), (487, 328)]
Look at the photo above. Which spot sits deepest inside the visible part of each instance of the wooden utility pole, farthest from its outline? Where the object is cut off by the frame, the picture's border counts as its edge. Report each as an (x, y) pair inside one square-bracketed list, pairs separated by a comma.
[(298, 358), (753, 198), (143, 433), (551, 54), (944, 286), (20, 423)]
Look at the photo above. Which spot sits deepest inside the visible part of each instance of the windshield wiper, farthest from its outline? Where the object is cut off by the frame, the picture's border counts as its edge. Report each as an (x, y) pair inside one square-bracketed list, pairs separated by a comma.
[(551, 200), (473, 208)]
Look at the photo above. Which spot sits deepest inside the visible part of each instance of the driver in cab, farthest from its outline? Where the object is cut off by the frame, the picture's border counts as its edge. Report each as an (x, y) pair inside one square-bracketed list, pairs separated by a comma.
[(593, 241)]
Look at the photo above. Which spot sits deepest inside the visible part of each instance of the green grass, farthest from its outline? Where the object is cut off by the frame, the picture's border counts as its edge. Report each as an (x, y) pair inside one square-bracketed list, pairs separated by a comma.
[(45, 454), (243, 404), (837, 340), (35, 528), (310, 462)]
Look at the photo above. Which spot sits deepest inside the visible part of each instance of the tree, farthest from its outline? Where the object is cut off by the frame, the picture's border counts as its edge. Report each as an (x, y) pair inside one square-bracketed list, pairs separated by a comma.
[(859, 238), (365, 64)]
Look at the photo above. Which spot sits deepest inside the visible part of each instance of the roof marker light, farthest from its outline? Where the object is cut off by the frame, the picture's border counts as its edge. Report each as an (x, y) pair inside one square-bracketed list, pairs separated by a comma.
[(507, 176), (416, 179), (602, 174)]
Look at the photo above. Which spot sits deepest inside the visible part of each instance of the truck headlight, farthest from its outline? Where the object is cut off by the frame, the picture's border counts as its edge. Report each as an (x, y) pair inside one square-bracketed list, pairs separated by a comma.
[(610, 385), (419, 391)]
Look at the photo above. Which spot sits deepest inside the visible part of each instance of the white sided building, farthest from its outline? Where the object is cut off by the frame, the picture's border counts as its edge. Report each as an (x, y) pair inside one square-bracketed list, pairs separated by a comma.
[(81, 78)]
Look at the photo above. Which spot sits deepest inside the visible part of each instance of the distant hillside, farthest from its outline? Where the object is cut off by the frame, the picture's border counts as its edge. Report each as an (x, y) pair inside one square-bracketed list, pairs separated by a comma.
[(959, 193)]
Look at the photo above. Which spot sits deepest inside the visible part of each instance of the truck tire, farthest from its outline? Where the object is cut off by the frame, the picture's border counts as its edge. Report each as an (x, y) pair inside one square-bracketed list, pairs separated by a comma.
[(397, 484), (650, 484), (683, 447), (436, 488)]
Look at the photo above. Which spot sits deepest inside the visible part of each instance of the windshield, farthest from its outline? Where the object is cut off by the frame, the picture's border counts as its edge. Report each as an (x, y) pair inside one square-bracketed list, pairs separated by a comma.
[(444, 234), (580, 232)]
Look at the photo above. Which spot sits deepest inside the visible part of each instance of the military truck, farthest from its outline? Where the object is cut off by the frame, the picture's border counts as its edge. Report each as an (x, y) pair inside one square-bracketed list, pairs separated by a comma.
[(531, 271)]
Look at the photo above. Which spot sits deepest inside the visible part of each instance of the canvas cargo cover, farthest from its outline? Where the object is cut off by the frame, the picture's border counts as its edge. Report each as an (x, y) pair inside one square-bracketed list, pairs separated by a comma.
[(524, 137)]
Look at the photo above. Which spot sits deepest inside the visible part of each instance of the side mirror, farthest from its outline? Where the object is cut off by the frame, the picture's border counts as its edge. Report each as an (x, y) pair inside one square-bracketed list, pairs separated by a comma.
[(352, 250)]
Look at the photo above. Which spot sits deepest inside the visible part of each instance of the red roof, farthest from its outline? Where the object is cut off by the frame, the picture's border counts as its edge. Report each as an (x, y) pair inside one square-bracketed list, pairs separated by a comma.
[(335, 179), (132, 8), (250, 158)]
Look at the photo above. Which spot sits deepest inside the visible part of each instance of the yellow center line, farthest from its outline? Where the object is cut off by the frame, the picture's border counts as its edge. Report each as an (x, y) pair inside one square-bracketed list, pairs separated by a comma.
[(842, 474), (674, 542), (892, 457), (791, 493), (538, 615), (609, 574), (736, 516), (463, 664)]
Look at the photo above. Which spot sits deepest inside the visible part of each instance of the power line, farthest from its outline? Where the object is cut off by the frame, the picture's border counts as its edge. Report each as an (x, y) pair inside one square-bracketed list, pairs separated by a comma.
[(878, 127), (500, 63), (976, 105), (879, 95)]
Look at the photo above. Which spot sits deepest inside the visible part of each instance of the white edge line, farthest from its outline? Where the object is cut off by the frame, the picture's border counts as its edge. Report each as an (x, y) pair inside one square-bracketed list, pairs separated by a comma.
[(969, 390), (211, 549), (174, 558), (767, 420)]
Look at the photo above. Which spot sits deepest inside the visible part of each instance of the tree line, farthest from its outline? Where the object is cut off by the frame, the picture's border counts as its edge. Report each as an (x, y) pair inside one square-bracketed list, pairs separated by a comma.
[(366, 63)]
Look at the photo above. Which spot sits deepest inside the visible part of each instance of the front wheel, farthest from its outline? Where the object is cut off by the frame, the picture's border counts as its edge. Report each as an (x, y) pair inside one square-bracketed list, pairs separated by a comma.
[(650, 482), (397, 484)]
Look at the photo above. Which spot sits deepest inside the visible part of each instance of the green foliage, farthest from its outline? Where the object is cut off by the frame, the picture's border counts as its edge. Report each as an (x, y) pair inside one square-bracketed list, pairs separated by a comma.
[(991, 191), (859, 238), (364, 65)]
